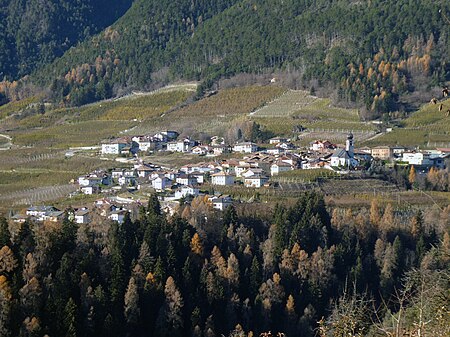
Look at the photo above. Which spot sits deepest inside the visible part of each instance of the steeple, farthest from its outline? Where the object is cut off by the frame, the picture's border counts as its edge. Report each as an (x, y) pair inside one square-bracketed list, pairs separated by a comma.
[(349, 145)]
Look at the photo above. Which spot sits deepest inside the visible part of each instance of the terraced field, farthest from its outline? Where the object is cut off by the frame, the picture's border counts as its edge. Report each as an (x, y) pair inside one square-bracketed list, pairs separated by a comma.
[(285, 105), (427, 127)]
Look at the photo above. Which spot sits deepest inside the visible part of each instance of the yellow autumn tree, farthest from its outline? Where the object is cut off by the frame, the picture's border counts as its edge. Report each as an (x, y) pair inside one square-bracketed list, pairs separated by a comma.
[(412, 175), (196, 245)]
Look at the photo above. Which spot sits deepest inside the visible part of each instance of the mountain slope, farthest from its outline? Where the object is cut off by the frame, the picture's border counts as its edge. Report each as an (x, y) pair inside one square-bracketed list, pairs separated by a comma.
[(34, 32), (372, 52)]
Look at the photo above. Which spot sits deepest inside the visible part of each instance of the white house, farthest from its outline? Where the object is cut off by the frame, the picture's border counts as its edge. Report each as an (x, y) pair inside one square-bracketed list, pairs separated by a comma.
[(144, 171), (160, 183), (186, 179), (275, 151), (255, 181), (245, 147), (201, 150), (81, 216), (417, 158), (91, 189), (199, 176), (114, 147), (252, 172), (184, 191), (146, 143), (183, 145), (276, 140), (222, 178), (321, 145), (89, 181), (126, 180), (238, 170), (277, 168), (221, 203), (40, 211), (118, 215)]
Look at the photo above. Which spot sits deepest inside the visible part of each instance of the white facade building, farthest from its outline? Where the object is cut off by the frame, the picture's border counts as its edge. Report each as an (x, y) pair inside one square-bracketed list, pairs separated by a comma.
[(222, 178), (245, 147)]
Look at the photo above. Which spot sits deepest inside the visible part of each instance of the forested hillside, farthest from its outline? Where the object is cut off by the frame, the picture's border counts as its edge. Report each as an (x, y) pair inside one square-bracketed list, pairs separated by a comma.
[(370, 53), (297, 270), (35, 32)]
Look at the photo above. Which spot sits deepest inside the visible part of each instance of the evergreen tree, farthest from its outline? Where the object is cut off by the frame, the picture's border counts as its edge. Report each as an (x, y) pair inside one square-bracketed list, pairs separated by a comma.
[(5, 235)]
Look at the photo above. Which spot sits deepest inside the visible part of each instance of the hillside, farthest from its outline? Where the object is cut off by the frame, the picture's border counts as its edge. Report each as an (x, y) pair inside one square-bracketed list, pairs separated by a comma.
[(33, 33), (369, 52), (427, 127)]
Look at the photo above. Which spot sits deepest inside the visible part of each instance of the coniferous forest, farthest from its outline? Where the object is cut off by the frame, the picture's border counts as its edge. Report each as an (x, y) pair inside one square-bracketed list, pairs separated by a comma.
[(370, 54), (299, 270)]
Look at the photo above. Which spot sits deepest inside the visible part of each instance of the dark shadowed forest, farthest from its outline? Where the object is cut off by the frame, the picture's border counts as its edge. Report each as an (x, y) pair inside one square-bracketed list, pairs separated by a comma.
[(301, 270)]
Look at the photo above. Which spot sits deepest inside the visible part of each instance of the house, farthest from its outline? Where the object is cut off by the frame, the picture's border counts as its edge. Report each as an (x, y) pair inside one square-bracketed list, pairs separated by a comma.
[(81, 216), (163, 136), (144, 171), (186, 179), (382, 152), (53, 216), (398, 150), (118, 215), (344, 157), (89, 181), (417, 158), (146, 143), (221, 149), (279, 167), (274, 151), (201, 150), (184, 191), (255, 181), (252, 172), (222, 178), (322, 145), (40, 211), (276, 140), (199, 176), (285, 146), (183, 145), (221, 203), (89, 190), (245, 147), (238, 170), (18, 218), (114, 147), (161, 183), (127, 181)]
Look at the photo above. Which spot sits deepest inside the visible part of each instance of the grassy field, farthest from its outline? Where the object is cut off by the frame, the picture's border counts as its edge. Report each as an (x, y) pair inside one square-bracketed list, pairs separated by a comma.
[(296, 107), (214, 114), (423, 128)]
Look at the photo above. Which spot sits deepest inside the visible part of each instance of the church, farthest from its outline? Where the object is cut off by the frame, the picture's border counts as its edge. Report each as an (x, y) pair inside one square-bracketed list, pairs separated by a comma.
[(345, 157)]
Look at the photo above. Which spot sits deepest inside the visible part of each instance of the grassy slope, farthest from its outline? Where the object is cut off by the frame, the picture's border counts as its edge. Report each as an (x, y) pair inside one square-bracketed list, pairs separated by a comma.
[(424, 127)]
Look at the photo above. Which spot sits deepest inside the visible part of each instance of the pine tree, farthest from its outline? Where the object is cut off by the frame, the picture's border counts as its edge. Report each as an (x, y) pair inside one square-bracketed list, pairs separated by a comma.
[(5, 235), (131, 309), (5, 307), (70, 319), (172, 315)]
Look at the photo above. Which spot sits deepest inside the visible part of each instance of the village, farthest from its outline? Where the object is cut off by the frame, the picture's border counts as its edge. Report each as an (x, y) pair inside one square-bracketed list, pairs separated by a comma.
[(242, 164)]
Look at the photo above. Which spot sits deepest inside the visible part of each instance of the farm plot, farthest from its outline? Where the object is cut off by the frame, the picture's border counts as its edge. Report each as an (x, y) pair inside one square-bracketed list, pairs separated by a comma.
[(356, 186), (37, 195), (70, 135), (334, 136), (285, 105)]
